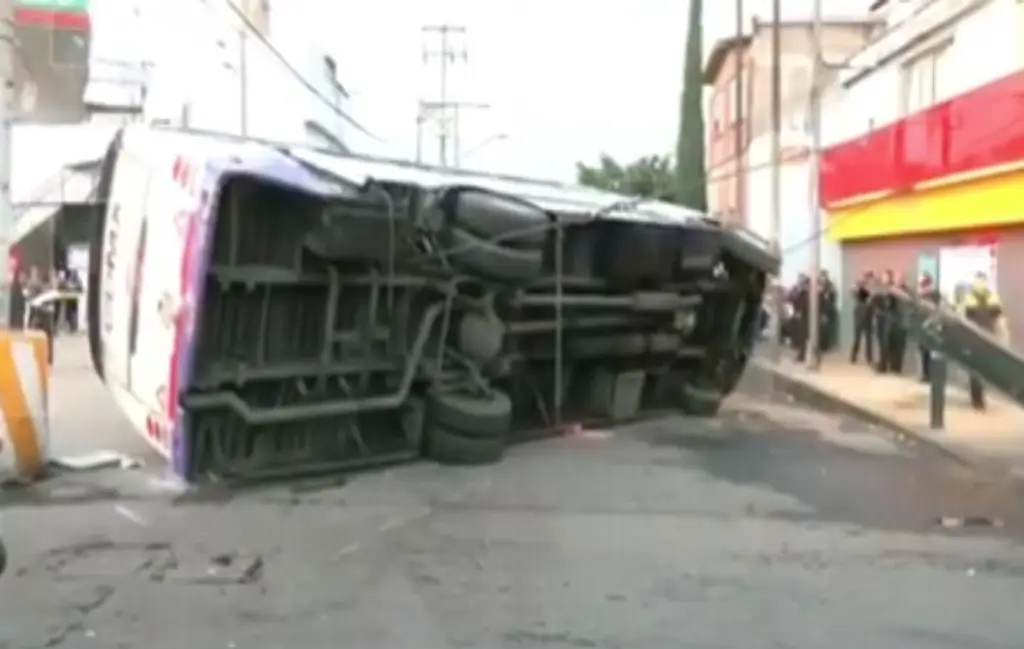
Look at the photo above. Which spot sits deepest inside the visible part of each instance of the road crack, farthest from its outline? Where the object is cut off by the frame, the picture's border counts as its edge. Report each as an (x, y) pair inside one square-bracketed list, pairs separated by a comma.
[(101, 596)]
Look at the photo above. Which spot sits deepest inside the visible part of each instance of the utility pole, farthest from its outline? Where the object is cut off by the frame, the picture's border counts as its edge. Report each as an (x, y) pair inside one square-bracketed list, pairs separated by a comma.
[(814, 310), (430, 109), (776, 170), (456, 138), (447, 54), (7, 100), (739, 135), (144, 68), (420, 119), (243, 81)]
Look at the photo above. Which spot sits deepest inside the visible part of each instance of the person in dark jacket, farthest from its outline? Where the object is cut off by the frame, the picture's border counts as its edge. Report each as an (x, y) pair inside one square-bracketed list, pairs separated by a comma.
[(883, 306), (927, 291), (863, 319), (828, 312), (17, 314), (72, 284), (40, 318), (799, 298), (898, 332)]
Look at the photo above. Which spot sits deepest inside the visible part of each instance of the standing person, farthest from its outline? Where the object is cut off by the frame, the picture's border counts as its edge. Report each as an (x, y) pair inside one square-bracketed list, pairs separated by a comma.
[(899, 327), (829, 301), (863, 319), (31, 287), (17, 314), (982, 306), (40, 317), (57, 280), (800, 299), (73, 285), (929, 292), (883, 306)]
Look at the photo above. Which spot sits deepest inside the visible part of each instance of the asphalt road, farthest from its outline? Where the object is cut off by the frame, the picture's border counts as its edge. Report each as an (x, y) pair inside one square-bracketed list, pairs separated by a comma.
[(769, 527)]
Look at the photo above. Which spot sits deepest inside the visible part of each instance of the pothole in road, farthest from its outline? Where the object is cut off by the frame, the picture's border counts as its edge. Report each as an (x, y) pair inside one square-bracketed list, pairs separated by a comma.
[(152, 562), (219, 570)]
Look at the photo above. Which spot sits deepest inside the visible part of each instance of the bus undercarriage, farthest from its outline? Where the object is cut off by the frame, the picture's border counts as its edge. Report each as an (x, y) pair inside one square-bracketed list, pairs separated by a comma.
[(407, 319), (342, 334)]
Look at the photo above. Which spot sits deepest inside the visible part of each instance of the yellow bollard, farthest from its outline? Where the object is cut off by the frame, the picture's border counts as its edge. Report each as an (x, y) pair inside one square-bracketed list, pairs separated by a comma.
[(24, 402)]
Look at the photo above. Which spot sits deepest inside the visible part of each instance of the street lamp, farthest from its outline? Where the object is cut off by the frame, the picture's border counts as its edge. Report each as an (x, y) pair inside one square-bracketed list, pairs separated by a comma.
[(497, 137)]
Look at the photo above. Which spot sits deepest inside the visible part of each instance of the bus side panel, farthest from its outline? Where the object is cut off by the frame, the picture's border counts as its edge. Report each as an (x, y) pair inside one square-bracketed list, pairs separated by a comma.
[(149, 276), (97, 256), (122, 236), (178, 213)]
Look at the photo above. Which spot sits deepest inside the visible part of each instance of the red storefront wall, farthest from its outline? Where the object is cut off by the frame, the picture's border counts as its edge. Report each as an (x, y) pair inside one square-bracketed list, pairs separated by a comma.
[(980, 132)]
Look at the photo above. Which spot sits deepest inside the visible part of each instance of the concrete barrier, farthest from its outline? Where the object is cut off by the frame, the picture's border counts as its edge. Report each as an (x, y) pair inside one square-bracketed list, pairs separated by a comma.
[(24, 403)]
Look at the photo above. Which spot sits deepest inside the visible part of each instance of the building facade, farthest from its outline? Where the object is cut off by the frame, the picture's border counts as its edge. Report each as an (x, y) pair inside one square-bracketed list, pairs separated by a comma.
[(740, 113), (52, 67), (86, 67), (259, 78), (934, 179)]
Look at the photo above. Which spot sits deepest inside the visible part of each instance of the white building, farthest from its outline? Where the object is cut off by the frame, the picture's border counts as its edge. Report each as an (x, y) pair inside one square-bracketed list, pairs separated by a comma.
[(798, 232), (925, 146), (183, 64), (932, 50), (267, 82)]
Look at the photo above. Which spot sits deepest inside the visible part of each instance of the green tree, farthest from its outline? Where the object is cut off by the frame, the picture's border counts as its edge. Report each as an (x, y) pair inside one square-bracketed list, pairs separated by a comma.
[(691, 174), (651, 176)]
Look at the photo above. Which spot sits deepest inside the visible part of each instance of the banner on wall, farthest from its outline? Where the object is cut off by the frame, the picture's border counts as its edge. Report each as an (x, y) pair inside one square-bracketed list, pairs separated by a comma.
[(958, 265)]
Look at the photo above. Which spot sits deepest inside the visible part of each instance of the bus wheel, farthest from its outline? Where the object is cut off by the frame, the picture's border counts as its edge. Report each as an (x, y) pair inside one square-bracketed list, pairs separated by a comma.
[(467, 429)]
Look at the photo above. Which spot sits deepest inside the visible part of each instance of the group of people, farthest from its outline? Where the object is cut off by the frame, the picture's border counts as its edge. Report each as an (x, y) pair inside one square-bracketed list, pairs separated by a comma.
[(880, 326), (54, 315), (795, 328)]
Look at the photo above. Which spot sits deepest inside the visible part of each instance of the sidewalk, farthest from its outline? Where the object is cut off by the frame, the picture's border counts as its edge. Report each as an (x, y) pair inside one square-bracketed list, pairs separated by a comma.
[(994, 437)]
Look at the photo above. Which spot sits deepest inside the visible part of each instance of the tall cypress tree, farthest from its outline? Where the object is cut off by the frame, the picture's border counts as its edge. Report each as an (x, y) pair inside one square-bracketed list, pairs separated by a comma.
[(691, 174)]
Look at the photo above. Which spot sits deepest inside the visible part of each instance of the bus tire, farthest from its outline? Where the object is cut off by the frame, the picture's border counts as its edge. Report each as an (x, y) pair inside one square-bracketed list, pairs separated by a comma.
[(688, 394), (447, 446), (487, 215), (699, 401), (491, 260), (473, 416)]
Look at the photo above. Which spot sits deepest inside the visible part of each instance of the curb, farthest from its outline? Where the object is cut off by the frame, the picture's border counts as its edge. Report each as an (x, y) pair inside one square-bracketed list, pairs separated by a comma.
[(814, 397)]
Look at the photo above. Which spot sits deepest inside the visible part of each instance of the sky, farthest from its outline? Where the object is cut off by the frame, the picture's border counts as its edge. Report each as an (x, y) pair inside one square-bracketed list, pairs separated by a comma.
[(565, 80)]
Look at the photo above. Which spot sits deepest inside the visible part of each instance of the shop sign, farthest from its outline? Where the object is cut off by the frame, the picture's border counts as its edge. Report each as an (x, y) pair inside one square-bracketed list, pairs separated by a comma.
[(77, 6)]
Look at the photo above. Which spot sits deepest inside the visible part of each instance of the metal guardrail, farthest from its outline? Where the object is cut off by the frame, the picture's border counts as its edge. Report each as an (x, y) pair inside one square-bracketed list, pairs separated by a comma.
[(949, 336)]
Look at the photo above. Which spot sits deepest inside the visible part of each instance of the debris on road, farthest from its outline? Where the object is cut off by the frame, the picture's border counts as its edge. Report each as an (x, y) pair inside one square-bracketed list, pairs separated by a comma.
[(95, 461), (955, 522)]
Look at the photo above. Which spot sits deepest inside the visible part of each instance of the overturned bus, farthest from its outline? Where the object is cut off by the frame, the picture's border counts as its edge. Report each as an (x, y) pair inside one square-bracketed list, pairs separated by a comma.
[(262, 310)]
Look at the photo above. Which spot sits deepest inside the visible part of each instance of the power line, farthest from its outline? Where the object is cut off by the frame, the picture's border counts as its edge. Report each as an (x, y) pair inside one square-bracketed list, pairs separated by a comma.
[(327, 101), (445, 111)]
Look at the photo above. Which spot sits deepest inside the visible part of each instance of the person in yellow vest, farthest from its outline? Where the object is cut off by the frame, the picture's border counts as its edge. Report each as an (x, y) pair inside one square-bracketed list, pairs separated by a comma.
[(982, 306)]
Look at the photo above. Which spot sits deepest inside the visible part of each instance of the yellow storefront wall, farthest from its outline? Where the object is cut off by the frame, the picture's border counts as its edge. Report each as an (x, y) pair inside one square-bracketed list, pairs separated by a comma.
[(994, 201)]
